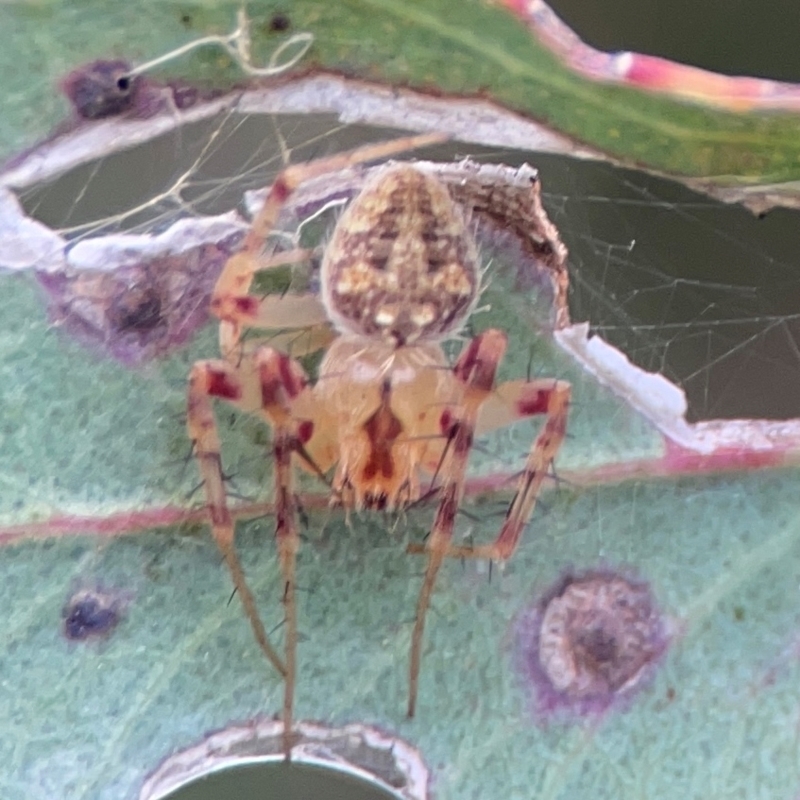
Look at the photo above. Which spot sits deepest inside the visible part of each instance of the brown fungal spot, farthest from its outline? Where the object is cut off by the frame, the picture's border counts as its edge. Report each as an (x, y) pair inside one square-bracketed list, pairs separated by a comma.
[(139, 311), (91, 614), (590, 642), (101, 89)]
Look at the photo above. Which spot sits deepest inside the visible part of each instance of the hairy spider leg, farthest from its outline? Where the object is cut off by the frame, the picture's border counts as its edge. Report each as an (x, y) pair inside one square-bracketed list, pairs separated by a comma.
[(487, 408), (268, 385), (475, 370), (282, 380), (217, 378), (516, 400)]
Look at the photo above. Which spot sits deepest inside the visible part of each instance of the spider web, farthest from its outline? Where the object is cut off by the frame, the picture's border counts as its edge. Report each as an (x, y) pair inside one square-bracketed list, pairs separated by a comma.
[(686, 287), (683, 286)]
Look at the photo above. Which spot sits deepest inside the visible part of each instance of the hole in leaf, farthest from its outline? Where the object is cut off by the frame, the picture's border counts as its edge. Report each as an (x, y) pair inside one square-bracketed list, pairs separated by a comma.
[(355, 762), (276, 778)]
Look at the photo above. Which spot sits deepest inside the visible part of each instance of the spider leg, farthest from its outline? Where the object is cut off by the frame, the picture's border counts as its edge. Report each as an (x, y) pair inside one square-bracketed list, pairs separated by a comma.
[(230, 300), (300, 318), (291, 177), (220, 379), (238, 310), (475, 371), (515, 400), (285, 311), (536, 397), (512, 401), (282, 382), (298, 342)]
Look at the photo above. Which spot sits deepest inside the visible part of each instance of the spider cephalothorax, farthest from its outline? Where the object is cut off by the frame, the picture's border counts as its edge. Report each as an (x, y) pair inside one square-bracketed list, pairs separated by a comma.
[(399, 274)]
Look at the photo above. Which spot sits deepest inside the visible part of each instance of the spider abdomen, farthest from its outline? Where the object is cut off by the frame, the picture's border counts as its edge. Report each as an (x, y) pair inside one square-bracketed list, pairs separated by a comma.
[(401, 265)]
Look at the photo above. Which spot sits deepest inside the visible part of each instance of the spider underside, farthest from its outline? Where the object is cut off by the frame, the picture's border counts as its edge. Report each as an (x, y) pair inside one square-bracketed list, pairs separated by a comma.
[(400, 274)]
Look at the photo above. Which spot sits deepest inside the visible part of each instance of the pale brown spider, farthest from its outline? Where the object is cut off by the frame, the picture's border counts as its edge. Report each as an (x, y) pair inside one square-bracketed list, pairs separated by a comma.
[(400, 274)]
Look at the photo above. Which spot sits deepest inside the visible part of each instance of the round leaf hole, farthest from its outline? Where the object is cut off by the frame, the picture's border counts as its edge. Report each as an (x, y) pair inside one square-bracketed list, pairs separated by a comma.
[(264, 780), (246, 762)]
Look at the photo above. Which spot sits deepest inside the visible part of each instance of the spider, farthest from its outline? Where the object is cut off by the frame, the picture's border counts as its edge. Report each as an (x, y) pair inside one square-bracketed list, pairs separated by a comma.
[(400, 274)]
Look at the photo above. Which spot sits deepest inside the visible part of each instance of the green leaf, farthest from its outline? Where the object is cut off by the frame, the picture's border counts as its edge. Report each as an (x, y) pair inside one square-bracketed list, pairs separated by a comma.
[(92, 450), (482, 51)]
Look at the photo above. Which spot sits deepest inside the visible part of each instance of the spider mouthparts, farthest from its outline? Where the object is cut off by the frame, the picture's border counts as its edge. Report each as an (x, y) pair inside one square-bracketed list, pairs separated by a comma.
[(377, 501)]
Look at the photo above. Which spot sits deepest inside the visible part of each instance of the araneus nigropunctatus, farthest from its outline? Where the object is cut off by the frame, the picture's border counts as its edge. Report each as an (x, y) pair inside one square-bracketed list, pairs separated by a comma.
[(399, 274)]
